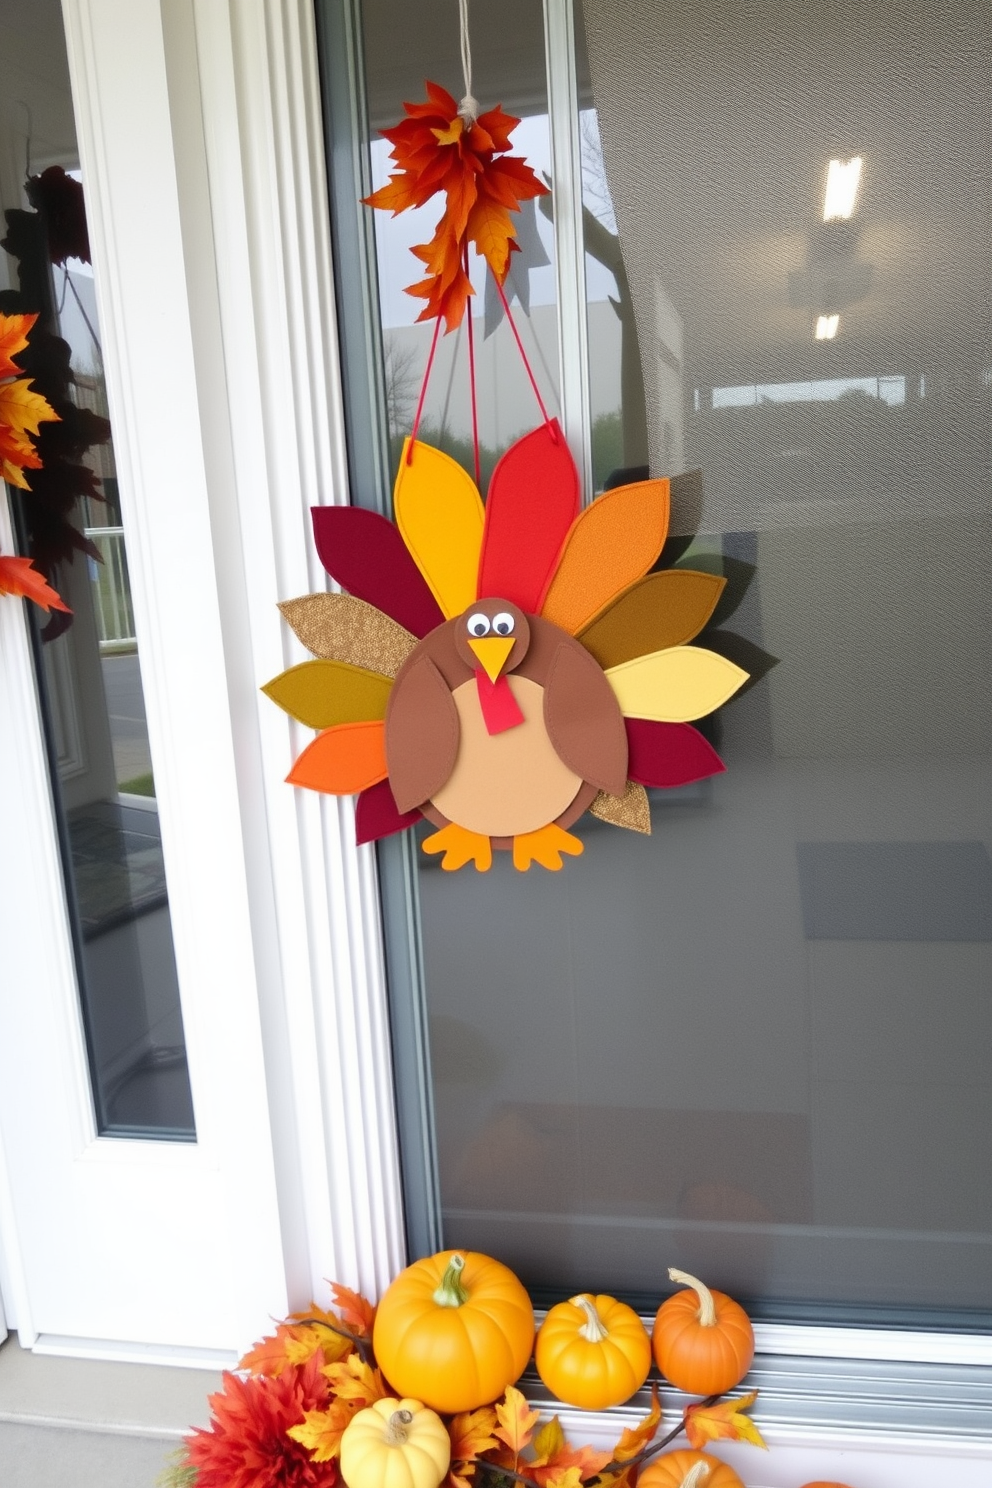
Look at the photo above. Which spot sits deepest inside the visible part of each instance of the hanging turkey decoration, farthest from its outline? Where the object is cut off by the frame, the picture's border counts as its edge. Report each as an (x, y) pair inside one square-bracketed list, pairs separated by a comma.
[(497, 669)]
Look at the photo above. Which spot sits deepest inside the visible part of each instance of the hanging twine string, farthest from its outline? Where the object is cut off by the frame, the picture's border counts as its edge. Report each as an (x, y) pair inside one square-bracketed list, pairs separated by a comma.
[(423, 393), (523, 355), (468, 109)]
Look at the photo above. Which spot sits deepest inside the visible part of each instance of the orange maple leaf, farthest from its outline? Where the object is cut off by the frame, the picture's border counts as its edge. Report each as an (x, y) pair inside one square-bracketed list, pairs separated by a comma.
[(22, 410), (633, 1440), (17, 454), (13, 340), (437, 151), (471, 1433), (321, 1431), (294, 1342), (357, 1312), (516, 1423), (19, 576), (554, 1460), (353, 1379), (706, 1423)]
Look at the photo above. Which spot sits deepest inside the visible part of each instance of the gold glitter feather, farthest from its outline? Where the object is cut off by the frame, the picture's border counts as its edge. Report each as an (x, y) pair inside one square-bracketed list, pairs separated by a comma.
[(631, 810), (338, 627)]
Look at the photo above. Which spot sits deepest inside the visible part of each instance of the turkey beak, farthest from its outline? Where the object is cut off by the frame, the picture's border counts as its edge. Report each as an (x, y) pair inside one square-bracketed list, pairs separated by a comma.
[(492, 652)]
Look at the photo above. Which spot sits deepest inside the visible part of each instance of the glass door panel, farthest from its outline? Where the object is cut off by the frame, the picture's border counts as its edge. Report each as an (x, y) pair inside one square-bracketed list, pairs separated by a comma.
[(88, 669)]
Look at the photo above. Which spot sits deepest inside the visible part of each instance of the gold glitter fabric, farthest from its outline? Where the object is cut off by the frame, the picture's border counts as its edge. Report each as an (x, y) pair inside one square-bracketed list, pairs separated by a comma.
[(631, 810), (338, 627)]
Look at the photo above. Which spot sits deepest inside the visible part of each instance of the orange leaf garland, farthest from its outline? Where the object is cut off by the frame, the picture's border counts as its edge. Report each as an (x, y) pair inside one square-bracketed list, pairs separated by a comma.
[(471, 1435), (437, 150), (321, 1431), (353, 1379), (357, 1312), (13, 340), (705, 1423), (19, 576), (554, 1460)]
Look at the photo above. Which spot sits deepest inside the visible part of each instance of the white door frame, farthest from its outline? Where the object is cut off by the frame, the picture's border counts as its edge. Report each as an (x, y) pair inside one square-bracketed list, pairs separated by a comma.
[(209, 229)]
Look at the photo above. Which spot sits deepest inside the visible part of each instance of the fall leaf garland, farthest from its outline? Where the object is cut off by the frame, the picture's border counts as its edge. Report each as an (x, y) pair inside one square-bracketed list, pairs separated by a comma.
[(281, 1421), (22, 412), (438, 150)]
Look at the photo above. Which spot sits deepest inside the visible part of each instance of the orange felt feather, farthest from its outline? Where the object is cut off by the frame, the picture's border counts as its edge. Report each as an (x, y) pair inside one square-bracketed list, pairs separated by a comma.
[(612, 544), (343, 760)]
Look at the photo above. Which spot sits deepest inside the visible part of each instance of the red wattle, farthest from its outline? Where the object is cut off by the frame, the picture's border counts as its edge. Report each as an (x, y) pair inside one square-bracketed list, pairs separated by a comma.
[(500, 709)]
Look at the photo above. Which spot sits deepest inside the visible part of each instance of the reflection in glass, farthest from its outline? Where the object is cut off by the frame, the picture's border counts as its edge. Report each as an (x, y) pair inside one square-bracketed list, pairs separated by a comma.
[(756, 1044), (89, 676)]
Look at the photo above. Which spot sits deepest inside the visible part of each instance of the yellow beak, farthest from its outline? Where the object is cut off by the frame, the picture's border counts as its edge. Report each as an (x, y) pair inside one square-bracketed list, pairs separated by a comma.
[(492, 652)]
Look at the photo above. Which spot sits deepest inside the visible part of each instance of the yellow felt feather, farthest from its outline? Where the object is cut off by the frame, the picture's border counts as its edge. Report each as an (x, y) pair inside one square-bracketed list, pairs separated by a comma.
[(440, 514), (676, 685)]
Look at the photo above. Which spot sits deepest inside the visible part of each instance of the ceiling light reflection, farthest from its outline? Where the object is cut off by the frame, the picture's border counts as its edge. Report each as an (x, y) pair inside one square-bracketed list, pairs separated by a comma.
[(826, 327), (842, 188)]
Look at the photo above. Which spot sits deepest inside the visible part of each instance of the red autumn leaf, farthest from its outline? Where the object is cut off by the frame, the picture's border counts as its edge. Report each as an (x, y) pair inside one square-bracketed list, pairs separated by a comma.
[(706, 1423), (19, 576), (438, 151), (13, 340)]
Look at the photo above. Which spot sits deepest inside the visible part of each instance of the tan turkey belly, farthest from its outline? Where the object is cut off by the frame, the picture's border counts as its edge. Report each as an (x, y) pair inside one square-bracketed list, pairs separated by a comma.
[(509, 783)]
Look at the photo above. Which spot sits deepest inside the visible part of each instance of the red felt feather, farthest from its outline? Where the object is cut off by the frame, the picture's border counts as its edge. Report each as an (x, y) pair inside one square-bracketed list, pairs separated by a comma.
[(367, 556), (377, 815), (533, 501), (668, 754)]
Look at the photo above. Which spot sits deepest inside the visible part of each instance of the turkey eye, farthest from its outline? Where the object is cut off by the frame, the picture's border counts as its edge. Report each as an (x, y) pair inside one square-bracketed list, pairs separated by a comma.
[(478, 625), (503, 624)]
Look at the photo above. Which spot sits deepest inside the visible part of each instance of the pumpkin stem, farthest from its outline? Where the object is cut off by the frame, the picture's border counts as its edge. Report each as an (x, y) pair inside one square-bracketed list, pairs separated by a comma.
[(707, 1307), (694, 1477), (592, 1329), (399, 1424), (451, 1293)]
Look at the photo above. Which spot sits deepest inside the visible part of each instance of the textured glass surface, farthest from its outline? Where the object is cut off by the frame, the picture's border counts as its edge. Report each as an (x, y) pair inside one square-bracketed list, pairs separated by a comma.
[(89, 676), (756, 1044)]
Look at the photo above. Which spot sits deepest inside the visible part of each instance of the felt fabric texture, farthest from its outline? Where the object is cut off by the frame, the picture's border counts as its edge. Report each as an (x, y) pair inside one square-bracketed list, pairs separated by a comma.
[(509, 783), (339, 627), (500, 709), (675, 686), (661, 610), (669, 754), (366, 555), (440, 516), (612, 544), (376, 814), (343, 760), (421, 733), (545, 846), (459, 847), (631, 810), (534, 498), (323, 693), (583, 721)]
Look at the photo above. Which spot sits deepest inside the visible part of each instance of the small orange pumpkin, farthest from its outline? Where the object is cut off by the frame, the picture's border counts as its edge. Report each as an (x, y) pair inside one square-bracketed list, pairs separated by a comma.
[(675, 1470), (453, 1330), (593, 1352), (703, 1341)]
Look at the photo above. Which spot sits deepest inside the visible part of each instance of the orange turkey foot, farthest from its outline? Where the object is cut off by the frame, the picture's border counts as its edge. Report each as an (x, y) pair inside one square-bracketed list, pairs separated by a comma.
[(544, 846), (460, 846)]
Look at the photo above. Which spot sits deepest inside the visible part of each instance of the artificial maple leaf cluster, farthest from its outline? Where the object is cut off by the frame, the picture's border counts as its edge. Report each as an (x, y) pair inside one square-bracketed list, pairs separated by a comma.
[(57, 478), (22, 412), (437, 150), (278, 1422)]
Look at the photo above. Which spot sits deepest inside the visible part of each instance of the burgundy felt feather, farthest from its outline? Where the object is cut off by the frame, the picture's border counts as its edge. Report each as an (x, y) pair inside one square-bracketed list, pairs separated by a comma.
[(367, 556)]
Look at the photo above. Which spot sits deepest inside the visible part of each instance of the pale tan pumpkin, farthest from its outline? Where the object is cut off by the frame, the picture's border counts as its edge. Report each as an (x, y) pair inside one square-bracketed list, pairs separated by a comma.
[(395, 1444)]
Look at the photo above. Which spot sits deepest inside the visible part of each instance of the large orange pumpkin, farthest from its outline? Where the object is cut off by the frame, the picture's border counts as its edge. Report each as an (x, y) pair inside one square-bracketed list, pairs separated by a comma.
[(453, 1330), (671, 1471), (703, 1341), (593, 1352)]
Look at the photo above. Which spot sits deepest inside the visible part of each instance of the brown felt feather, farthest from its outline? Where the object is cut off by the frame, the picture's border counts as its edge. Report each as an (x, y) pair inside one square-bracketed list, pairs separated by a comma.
[(422, 732), (583, 719)]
